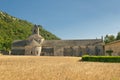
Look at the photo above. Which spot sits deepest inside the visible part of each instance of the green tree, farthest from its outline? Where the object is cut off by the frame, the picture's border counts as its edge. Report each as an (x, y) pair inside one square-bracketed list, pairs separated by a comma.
[(109, 38), (118, 36), (109, 52)]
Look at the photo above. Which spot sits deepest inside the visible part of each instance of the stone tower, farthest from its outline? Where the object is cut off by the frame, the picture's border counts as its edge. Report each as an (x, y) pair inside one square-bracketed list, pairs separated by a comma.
[(34, 42), (35, 30)]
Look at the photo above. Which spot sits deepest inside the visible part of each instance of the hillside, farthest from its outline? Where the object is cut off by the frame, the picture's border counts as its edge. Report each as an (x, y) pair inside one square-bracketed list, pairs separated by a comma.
[(12, 28)]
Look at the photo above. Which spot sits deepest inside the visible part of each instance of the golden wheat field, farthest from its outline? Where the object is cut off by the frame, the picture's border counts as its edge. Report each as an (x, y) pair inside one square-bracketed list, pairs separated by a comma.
[(55, 68)]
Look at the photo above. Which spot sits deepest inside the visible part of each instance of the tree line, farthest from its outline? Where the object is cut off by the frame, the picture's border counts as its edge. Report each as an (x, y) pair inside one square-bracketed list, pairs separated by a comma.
[(111, 38)]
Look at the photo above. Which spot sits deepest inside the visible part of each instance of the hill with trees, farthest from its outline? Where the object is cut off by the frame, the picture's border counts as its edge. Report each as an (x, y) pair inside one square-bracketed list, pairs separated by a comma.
[(12, 28)]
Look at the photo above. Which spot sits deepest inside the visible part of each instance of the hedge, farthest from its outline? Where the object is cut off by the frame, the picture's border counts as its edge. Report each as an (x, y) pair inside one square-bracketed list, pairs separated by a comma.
[(101, 58)]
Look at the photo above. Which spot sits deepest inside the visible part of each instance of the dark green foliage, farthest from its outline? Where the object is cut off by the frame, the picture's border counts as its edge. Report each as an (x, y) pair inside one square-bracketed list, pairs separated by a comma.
[(109, 52), (12, 28), (118, 36), (101, 58), (47, 35), (109, 38)]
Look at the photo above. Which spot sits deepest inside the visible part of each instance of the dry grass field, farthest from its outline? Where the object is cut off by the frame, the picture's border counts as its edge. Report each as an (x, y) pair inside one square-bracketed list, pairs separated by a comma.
[(55, 68)]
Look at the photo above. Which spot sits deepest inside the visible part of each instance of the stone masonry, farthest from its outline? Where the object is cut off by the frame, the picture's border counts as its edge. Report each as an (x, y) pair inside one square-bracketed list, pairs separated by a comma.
[(115, 46), (73, 47)]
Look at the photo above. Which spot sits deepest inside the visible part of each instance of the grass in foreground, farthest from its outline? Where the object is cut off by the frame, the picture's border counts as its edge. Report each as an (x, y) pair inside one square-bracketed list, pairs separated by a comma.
[(55, 68)]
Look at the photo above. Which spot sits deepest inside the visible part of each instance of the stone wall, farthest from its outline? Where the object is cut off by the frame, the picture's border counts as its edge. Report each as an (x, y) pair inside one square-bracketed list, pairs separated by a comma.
[(115, 46)]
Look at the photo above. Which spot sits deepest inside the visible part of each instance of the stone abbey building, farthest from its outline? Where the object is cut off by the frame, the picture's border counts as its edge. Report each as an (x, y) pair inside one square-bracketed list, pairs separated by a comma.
[(36, 45), (73, 47)]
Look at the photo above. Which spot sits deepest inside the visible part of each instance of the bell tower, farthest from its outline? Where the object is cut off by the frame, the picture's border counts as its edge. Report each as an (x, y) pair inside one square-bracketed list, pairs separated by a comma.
[(35, 30)]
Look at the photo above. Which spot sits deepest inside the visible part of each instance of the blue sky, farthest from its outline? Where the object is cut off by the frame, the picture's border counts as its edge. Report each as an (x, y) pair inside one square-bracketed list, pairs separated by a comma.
[(69, 19)]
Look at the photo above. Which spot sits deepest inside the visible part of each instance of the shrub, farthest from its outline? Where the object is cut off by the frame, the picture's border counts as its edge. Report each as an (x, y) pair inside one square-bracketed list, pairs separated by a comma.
[(101, 58), (109, 52)]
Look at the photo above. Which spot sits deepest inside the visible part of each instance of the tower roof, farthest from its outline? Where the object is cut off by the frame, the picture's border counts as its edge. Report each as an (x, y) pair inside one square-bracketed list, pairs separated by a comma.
[(35, 36), (33, 43)]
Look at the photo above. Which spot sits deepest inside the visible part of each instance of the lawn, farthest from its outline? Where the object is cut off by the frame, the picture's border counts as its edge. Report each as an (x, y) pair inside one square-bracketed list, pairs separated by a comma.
[(55, 68)]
